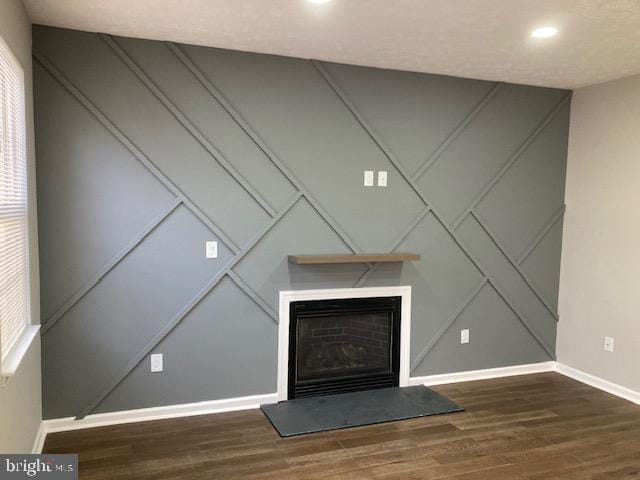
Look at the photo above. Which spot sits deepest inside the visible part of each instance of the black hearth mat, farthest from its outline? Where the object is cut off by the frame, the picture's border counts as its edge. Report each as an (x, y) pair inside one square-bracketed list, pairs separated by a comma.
[(354, 409)]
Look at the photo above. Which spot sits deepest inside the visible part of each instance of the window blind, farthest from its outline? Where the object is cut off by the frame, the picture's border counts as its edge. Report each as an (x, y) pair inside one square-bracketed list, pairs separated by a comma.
[(14, 283)]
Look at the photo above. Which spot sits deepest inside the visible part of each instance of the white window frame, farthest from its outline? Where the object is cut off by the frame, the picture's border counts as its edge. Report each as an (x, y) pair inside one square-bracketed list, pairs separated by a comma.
[(10, 361)]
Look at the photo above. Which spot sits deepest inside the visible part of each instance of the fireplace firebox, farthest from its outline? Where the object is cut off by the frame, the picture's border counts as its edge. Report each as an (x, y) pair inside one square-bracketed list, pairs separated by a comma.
[(343, 345)]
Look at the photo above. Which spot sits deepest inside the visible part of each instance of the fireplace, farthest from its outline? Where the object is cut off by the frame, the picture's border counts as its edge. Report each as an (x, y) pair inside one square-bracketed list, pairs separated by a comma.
[(343, 345), (336, 360)]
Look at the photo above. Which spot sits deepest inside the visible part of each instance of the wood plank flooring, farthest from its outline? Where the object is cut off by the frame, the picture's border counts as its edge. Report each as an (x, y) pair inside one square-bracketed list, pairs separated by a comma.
[(533, 427)]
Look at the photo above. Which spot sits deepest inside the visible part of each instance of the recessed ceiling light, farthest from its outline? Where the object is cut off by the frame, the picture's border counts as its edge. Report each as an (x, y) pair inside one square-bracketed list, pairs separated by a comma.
[(544, 32), (318, 1)]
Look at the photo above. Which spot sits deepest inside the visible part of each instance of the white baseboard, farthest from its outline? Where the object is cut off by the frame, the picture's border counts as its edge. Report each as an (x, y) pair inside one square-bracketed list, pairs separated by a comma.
[(599, 383), (254, 401), (41, 435), (159, 413), (485, 374)]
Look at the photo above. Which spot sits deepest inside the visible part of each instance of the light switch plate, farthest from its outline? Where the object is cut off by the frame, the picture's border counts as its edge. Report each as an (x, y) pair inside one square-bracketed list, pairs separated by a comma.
[(157, 362), (212, 249), (368, 178), (464, 336), (608, 344), (382, 179)]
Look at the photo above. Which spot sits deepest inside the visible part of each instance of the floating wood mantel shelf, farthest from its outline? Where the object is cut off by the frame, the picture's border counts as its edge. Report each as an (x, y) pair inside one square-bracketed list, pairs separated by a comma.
[(353, 258)]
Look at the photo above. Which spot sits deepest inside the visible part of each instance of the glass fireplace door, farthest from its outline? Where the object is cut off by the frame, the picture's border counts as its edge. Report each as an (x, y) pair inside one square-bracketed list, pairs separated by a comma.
[(343, 345)]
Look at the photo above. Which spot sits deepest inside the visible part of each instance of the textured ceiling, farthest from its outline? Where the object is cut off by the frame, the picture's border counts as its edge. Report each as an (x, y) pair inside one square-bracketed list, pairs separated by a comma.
[(486, 39)]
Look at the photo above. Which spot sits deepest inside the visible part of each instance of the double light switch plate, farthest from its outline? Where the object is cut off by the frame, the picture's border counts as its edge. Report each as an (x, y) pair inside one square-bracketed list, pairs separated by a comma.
[(369, 178)]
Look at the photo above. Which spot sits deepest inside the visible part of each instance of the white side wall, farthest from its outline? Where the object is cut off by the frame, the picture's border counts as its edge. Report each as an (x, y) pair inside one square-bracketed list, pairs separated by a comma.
[(600, 273), (21, 399)]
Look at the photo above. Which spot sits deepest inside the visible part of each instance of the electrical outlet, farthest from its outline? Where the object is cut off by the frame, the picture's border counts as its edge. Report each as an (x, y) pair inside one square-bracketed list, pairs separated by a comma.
[(211, 249), (368, 178), (157, 362), (464, 336), (382, 179), (608, 344)]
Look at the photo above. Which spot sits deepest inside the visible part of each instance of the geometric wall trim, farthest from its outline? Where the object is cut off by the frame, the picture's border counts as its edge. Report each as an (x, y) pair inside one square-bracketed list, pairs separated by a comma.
[(182, 144)]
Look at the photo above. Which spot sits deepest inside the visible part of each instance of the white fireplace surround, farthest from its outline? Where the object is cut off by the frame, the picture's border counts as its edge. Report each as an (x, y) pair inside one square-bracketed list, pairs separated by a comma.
[(286, 297)]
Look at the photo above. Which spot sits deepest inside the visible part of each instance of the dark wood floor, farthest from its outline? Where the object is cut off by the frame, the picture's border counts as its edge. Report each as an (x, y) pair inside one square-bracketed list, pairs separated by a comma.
[(532, 427)]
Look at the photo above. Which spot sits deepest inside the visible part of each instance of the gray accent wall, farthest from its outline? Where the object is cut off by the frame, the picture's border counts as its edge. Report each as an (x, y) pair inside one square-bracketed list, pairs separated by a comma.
[(147, 149)]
